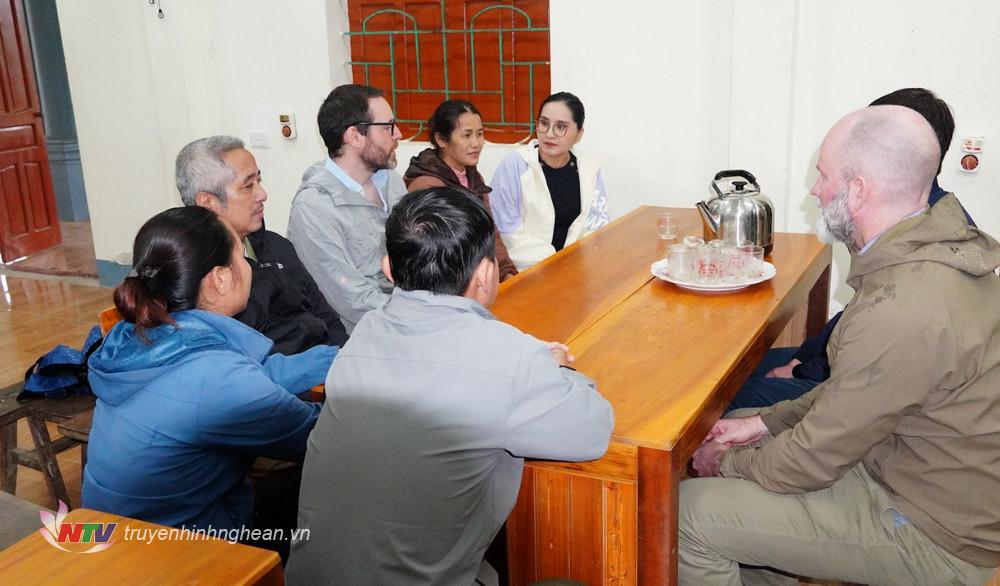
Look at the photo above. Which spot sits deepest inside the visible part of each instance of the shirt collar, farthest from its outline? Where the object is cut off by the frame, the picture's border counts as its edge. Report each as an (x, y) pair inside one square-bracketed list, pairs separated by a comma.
[(426, 298), (872, 242), (380, 179)]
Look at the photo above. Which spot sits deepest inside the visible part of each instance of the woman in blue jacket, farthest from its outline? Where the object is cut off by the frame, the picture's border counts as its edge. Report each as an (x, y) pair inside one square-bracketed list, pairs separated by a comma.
[(188, 396)]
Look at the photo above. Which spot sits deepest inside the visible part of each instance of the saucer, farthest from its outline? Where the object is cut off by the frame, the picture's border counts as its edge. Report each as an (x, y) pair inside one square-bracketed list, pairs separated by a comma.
[(661, 270)]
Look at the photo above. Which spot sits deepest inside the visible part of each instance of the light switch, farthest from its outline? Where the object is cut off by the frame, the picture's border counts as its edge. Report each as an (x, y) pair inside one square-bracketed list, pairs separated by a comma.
[(258, 139)]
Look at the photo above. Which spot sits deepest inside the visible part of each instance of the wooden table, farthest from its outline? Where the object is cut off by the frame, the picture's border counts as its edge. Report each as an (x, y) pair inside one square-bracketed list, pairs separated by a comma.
[(211, 561), (669, 361)]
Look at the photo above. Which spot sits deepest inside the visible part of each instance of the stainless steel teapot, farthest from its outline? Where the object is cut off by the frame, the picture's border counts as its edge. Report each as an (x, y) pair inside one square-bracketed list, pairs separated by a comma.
[(740, 213)]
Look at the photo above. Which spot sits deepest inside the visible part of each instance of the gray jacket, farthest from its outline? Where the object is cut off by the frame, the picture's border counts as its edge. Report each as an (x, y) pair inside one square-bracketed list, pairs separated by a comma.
[(340, 238), (416, 459)]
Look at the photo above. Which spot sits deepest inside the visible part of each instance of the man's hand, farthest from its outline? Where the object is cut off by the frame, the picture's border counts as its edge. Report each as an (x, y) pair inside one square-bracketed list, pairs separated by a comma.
[(783, 371), (560, 353), (708, 458), (737, 432)]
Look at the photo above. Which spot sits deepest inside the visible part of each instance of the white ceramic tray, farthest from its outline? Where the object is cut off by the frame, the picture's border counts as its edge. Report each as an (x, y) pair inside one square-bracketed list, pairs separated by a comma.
[(661, 270)]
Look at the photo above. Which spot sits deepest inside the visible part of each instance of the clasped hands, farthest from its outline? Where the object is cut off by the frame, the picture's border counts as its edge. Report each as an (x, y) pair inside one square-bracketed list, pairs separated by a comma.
[(725, 433), (560, 353)]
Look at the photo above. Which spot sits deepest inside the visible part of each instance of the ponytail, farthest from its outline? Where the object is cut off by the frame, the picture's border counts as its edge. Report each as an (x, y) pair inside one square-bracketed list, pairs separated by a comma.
[(138, 305), (173, 252)]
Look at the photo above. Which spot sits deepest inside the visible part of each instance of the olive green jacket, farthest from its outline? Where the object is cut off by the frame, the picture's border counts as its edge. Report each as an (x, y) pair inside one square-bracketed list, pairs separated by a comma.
[(914, 388)]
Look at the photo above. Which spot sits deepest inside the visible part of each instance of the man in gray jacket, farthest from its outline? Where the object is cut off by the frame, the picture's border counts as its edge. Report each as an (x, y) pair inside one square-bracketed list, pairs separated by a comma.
[(338, 214), (887, 472), (431, 407)]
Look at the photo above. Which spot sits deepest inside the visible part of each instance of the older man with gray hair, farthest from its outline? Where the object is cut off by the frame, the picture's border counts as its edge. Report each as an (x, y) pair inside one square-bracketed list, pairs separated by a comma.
[(887, 472), (285, 304)]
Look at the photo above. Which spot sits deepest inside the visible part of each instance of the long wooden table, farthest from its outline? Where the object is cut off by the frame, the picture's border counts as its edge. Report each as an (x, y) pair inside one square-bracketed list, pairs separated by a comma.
[(669, 361), (134, 561)]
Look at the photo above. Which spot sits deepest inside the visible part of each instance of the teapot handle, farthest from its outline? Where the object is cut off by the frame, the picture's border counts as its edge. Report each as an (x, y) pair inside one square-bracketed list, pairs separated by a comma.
[(738, 173)]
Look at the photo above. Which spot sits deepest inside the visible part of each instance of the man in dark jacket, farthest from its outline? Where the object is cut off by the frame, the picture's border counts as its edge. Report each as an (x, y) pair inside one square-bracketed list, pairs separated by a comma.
[(218, 173)]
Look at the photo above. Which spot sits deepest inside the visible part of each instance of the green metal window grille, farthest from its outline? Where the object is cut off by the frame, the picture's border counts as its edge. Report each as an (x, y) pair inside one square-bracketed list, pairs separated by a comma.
[(469, 35)]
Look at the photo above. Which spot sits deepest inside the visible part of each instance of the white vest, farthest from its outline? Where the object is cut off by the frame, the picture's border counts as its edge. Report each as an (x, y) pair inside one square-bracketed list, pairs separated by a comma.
[(531, 241)]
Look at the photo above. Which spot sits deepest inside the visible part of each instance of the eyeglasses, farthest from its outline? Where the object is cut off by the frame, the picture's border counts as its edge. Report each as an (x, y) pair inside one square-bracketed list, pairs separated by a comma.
[(391, 124), (558, 129)]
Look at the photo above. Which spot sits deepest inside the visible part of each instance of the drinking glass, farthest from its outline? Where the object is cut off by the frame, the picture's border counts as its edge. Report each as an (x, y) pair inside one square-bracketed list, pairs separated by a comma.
[(666, 226), (730, 264), (681, 262), (753, 260), (706, 264)]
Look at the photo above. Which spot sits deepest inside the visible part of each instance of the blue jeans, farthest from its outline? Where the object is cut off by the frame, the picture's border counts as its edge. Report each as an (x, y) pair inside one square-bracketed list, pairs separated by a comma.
[(763, 392)]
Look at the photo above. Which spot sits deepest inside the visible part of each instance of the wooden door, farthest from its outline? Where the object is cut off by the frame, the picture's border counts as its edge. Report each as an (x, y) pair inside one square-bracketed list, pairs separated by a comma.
[(28, 218)]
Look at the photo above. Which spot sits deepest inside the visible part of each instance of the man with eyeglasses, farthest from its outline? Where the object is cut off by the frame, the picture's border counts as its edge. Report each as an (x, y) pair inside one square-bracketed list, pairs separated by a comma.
[(337, 220)]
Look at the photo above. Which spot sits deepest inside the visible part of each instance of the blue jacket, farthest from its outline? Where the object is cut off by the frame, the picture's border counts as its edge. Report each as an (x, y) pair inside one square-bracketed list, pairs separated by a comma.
[(179, 420)]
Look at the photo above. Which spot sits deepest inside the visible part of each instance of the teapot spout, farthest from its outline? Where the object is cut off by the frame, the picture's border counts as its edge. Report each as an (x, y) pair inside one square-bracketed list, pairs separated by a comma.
[(710, 222)]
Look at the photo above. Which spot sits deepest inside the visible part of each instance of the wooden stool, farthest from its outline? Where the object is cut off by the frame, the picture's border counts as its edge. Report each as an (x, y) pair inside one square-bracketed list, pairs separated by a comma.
[(10, 412), (38, 412), (78, 428)]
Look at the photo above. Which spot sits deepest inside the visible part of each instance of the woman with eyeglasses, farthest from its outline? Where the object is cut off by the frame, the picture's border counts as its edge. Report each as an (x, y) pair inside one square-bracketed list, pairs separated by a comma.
[(545, 197), (456, 134)]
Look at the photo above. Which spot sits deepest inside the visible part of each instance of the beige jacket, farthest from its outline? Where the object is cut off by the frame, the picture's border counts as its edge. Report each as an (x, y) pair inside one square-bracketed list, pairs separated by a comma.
[(914, 388)]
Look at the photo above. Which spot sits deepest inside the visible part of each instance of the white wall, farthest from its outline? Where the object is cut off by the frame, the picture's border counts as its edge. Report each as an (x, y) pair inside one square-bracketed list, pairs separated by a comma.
[(656, 85), (143, 87), (853, 51), (111, 82), (675, 91), (685, 89)]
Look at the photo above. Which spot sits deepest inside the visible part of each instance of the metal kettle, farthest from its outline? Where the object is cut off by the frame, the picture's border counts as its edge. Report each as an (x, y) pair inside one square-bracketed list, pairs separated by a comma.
[(739, 213)]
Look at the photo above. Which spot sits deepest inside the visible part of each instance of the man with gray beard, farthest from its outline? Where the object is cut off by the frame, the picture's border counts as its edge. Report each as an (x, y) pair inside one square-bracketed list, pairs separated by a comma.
[(885, 473), (788, 373), (337, 220)]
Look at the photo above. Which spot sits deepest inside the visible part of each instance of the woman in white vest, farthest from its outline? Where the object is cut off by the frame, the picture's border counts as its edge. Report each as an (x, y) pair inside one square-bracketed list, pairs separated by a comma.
[(544, 196)]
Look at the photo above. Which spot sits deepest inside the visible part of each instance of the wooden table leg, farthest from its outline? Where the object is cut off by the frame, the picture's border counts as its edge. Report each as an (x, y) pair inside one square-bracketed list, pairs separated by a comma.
[(8, 459), (659, 476), (819, 304), (47, 461)]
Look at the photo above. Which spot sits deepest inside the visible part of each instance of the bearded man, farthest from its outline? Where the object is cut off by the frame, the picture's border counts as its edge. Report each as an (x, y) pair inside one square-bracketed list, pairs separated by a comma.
[(885, 473), (337, 219), (788, 373)]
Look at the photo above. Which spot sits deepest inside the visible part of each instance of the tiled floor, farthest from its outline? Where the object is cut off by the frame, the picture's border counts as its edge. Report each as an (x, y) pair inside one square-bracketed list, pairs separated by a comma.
[(74, 257)]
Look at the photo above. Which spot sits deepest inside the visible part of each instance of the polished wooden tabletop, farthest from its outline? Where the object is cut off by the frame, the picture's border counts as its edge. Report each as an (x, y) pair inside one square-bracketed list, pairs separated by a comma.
[(668, 360), (565, 294), (659, 355), (134, 561), (655, 350)]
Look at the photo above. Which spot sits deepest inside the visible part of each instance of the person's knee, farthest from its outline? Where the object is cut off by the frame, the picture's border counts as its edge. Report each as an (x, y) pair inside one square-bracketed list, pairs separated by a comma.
[(701, 498)]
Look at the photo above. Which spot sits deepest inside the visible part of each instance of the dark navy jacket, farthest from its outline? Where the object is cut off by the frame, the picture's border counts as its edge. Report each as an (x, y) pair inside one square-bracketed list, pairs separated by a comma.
[(285, 304)]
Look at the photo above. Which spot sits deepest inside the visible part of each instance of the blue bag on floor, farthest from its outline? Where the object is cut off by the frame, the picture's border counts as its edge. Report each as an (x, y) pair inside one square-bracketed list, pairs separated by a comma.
[(62, 371)]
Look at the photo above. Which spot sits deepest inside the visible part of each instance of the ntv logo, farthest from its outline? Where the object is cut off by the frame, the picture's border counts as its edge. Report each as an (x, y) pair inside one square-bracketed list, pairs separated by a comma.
[(56, 532)]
